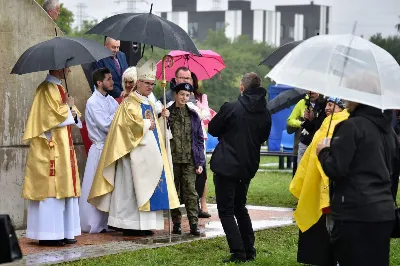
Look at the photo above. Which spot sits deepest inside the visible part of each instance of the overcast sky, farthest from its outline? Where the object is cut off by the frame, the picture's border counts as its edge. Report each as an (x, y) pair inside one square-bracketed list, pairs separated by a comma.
[(372, 16)]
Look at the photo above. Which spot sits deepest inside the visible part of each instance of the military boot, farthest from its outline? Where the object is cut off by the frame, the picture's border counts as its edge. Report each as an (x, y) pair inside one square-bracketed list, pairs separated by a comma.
[(194, 230), (177, 230)]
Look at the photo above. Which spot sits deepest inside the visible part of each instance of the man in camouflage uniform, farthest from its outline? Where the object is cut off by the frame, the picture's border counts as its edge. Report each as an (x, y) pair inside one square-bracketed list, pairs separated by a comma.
[(187, 151)]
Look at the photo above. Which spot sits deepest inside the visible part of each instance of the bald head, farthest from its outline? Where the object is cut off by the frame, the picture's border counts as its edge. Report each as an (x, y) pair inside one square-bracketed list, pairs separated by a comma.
[(112, 45)]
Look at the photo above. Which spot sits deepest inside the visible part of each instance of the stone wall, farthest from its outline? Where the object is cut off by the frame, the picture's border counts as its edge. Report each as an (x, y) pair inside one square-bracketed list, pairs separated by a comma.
[(23, 23)]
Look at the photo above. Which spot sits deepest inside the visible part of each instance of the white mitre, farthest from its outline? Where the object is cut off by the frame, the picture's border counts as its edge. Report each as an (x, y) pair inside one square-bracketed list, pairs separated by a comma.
[(147, 71)]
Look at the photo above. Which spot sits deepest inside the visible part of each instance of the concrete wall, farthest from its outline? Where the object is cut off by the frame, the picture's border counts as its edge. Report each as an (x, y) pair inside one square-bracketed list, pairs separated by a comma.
[(24, 23)]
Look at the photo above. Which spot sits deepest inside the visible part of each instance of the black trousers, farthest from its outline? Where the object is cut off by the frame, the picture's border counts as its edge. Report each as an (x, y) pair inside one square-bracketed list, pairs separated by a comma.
[(294, 166), (314, 247), (231, 197), (201, 181), (361, 243)]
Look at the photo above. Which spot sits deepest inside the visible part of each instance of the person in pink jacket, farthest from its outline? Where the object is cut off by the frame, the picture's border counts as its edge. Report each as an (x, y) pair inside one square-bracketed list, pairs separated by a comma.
[(204, 113)]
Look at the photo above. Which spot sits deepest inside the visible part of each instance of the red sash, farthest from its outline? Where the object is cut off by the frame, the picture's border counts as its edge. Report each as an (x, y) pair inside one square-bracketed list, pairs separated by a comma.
[(71, 144)]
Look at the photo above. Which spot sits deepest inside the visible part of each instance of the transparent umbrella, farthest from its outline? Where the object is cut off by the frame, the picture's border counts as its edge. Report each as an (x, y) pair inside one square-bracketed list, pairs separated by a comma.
[(345, 66)]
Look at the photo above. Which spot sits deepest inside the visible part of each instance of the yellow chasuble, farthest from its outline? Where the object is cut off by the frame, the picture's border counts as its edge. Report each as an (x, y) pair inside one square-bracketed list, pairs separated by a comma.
[(310, 184), (51, 168), (125, 135)]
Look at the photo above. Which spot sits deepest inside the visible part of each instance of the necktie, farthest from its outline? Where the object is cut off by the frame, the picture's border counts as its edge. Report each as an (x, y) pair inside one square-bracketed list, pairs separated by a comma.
[(117, 66)]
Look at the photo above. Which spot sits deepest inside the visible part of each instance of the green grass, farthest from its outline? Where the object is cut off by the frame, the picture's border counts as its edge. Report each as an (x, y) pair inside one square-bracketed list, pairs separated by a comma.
[(274, 246), (266, 188)]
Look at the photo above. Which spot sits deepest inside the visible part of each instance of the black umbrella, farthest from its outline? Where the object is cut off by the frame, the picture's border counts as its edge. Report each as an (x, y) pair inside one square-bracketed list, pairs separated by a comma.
[(59, 53), (273, 58), (146, 28), (285, 100)]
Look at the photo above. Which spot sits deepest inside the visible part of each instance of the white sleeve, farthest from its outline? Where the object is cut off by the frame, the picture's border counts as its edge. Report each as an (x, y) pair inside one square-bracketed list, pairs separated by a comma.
[(69, 121), (101, 119), (158, 105)]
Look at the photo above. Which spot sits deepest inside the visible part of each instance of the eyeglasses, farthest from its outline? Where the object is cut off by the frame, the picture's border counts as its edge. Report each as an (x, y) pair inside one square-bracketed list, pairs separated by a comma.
[(148, 83), (185, 78)]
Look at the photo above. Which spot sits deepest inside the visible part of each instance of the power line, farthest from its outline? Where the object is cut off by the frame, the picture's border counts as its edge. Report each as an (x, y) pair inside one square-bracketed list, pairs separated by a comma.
[(81, 14), (131, 5)]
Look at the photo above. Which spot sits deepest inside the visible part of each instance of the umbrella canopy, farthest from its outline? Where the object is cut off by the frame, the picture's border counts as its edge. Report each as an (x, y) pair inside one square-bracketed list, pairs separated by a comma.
[(59, 53), (346, 66), (285, 99), (273, 58), (146, 28), (205, 66)]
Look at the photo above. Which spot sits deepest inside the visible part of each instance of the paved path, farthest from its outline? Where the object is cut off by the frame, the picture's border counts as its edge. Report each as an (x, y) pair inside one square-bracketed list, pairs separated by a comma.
[(96, 245)]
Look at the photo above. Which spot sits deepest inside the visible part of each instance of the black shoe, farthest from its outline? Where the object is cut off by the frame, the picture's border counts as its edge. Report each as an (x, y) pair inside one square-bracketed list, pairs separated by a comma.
[(69, 241), (52, 243), (194, 230), (204, 214), (251, 255), (177, 230), (234, 259), (133, 232)]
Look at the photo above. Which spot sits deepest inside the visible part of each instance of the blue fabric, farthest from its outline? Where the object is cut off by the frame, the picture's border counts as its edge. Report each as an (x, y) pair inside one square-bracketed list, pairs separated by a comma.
[(116, 76), (159, 200)]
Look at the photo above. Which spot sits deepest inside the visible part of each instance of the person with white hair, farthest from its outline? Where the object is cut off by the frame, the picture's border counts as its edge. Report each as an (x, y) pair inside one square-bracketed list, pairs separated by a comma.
[(134, 181), (129, 79), (53, 8)]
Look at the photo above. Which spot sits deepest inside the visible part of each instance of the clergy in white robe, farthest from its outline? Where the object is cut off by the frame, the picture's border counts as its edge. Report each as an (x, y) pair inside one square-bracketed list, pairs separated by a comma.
[(100, 110), (134, 181), (51, 183)]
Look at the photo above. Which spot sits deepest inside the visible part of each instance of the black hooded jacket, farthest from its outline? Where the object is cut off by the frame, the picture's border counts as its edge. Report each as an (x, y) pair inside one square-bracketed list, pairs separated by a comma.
[(362, 162), (241, 127)]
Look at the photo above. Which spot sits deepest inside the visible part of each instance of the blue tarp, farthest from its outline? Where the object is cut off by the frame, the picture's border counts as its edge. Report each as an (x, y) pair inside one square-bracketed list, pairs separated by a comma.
[(278, 119)]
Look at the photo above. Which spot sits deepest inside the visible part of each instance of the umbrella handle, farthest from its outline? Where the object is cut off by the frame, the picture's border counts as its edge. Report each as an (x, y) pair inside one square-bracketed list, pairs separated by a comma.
[(164, 81)]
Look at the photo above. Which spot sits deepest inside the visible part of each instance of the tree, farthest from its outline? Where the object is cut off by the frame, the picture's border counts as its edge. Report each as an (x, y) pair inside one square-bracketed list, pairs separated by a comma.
[(391, 44), (64, 20), (241, 56), (398, 26), (87, 25)]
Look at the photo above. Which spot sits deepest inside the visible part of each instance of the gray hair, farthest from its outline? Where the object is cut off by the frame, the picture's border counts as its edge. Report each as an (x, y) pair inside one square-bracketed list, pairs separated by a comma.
[(251, 80), (50, 5)]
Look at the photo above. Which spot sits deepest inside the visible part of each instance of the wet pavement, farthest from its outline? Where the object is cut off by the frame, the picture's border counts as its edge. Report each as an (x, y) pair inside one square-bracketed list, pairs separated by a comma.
[(96, 245)]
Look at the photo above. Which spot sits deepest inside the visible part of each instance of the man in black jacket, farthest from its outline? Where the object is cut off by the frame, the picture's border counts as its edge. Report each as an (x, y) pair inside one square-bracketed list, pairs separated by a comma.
[(361, 161), (241, 127)]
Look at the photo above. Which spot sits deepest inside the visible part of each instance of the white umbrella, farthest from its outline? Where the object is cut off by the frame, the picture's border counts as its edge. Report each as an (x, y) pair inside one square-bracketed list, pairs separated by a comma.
[(344, 66)]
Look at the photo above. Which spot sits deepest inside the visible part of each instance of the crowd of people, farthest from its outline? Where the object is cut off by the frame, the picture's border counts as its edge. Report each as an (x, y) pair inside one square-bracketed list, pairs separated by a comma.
[(147, 155), (346, 181)]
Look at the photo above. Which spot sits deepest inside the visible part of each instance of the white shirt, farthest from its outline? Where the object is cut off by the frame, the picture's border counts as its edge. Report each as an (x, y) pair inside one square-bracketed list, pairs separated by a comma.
[(99, 115), (157, 104)]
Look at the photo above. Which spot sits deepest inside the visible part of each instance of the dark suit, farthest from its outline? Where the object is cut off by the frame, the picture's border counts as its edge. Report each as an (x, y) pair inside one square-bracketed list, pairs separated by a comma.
[(117, 77)]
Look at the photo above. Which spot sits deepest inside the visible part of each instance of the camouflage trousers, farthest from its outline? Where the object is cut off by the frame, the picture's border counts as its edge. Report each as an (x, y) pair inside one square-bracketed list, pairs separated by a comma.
[(185, 182)]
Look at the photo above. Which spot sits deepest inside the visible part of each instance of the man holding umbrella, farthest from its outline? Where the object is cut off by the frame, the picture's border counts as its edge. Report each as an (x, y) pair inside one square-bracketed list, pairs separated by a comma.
[(52, 183)]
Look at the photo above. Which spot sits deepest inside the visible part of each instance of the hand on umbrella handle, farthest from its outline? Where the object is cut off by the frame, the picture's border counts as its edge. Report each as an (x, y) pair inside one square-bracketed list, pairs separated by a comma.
[(70, 101)]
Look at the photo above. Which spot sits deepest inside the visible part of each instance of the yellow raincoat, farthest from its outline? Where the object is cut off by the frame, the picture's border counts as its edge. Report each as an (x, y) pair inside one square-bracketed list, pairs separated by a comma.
[(310, 184)]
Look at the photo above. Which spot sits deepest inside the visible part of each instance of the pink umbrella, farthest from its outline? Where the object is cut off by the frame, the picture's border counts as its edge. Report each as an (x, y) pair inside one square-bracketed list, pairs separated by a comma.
[(205, 66)]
